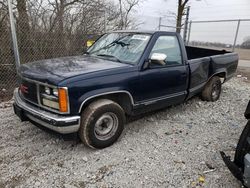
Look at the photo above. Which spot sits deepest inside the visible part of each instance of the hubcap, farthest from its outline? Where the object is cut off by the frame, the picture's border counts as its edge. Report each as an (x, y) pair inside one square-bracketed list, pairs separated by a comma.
[(106, 126)]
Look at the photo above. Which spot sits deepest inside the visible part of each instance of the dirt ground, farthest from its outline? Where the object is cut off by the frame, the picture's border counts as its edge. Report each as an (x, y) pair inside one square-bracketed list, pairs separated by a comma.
[(244, 54), (244, 72)]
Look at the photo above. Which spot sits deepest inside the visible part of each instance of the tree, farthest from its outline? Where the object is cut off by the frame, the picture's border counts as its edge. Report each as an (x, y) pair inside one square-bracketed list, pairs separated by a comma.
[(23, 27), (5, 40), (177, 17), (246, 43), (180, 12), (126, 7)]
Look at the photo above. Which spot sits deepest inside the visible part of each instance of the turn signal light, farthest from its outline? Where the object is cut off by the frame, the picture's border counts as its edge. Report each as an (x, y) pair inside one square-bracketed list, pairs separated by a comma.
[(63, 100)]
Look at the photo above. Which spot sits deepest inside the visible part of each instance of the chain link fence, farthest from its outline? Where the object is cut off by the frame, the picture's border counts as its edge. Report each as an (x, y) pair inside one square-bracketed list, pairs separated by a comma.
[(34, 46), (155, 23), (232, 35), (7, 60)]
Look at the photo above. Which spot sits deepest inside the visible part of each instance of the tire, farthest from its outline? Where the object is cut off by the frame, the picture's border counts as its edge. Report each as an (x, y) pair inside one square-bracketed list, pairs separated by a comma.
[(243, 146), (212, 90), (102, 123)]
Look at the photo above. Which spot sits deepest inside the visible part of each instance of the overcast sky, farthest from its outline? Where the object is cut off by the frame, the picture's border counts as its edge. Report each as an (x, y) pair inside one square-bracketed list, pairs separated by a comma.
[(150, 11)]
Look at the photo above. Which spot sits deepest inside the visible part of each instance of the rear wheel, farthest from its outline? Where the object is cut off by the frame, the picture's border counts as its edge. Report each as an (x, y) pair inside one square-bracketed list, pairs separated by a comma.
[(212, 90), (102, 123)]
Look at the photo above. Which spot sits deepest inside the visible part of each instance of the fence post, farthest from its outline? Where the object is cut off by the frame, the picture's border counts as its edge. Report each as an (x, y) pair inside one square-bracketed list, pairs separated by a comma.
[(189, 31), (186, 25), (236, 35), (159, 26), (105, 23), (14, 37)]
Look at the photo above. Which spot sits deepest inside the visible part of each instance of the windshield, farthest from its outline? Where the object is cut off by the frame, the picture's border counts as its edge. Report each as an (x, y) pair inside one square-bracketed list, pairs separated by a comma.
[(121, 47)]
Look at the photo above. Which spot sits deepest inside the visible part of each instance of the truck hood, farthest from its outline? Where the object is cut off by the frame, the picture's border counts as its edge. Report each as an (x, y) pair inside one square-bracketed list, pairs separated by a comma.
[(53, 71)]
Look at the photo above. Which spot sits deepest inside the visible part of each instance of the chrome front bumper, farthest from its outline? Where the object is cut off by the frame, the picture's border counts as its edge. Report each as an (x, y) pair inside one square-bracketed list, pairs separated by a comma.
[(58, 123)]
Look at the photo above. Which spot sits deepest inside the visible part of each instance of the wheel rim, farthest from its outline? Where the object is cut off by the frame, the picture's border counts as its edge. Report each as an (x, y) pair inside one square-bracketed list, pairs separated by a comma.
[(106, 126), (215, 91)]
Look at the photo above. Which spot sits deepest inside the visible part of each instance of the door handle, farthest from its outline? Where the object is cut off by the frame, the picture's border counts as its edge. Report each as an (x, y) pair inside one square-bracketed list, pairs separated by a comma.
[(183, 74)]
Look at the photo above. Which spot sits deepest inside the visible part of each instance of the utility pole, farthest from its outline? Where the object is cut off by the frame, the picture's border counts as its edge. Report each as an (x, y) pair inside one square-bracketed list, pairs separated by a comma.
[(186, 25), (121, 21), (189, 31), (105, 23), (14, 37)]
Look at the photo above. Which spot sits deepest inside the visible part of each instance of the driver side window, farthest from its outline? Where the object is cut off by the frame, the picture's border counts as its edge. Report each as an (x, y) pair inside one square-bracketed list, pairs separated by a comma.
[(169, 46)]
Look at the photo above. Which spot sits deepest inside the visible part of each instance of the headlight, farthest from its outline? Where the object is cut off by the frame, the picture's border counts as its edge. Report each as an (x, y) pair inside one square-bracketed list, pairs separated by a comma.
[(55, 92), (50, 103), (47, 90), (56, 98)]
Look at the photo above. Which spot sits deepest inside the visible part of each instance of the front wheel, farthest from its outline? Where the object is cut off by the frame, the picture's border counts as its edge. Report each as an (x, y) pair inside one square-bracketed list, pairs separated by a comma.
[(212, 90), (243, 146), (102, 123)]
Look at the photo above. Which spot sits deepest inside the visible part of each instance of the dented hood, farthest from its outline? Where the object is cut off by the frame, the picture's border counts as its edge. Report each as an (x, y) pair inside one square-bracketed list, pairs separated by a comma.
[(55, 70)]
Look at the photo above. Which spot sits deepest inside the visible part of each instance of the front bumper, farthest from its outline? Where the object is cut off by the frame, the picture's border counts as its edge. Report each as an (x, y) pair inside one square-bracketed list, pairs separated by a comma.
[(58, 123)]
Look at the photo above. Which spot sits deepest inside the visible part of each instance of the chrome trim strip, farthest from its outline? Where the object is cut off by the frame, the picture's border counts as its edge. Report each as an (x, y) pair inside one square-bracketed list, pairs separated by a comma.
[(151, 101), (107, 93), (148, 102), (50, 97), (37, 82), (46, 115), (38, 95)]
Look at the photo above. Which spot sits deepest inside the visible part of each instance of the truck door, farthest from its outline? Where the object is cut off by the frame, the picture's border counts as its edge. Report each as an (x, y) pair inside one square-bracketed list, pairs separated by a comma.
[(166, 80)]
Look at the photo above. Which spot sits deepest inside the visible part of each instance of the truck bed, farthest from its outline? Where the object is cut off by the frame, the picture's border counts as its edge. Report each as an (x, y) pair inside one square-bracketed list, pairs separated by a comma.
[(195, 52), (204, 63)]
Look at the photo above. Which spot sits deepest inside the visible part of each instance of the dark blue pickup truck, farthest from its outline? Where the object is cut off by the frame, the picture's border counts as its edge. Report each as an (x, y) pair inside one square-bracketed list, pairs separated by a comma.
[(123, 73)]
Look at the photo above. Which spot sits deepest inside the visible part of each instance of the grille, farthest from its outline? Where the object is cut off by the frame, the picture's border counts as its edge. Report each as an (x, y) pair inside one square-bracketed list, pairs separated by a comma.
[(29, 91)]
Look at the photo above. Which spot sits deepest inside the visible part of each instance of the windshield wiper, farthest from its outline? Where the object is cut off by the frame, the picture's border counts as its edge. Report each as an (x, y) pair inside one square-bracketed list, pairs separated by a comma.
[(110, 56), (117, 41), (121, 43)]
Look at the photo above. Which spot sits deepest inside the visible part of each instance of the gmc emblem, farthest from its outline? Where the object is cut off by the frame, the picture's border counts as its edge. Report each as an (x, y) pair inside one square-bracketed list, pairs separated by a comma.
[(24, 89)]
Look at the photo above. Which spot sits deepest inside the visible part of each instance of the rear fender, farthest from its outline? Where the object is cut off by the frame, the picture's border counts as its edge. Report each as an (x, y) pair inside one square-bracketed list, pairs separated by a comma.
[(222, 73)]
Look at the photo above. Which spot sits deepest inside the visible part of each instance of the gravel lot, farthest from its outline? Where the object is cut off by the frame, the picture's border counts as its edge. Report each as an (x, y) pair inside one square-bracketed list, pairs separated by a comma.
[(170, 148)]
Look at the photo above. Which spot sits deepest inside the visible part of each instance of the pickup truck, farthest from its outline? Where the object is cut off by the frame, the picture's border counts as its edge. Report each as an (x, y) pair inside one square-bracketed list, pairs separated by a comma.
[(123, 73)]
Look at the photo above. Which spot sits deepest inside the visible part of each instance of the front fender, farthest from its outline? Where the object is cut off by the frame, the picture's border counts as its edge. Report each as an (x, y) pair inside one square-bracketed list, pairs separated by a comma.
[(100, 92), (247, 111)]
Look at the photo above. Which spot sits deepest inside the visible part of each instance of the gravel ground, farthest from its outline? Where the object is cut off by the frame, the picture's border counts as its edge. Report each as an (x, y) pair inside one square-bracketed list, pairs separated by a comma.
[(170, 148)]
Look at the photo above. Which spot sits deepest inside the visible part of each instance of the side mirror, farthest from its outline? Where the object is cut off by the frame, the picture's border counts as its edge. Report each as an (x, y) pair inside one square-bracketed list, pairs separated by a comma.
[(158, 58)]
